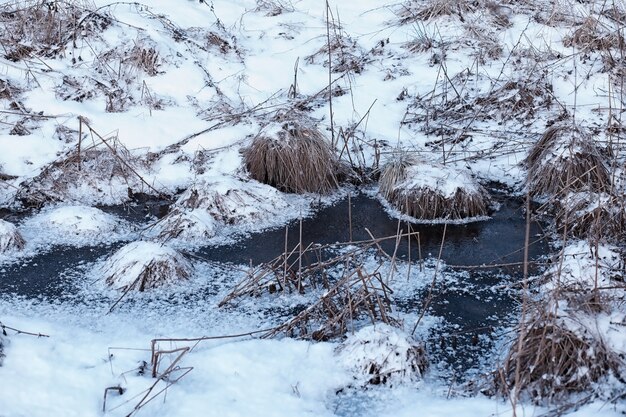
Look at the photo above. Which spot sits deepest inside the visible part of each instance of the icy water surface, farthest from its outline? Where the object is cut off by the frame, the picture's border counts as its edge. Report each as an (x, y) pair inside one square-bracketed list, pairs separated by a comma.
[(483, 255)]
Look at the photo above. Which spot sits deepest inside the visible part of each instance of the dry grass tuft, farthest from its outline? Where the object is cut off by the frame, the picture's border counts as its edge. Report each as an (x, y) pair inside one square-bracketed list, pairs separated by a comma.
[(593, 216), (35, 27), (566, 159), (346, 54), (274, 7), (95, 170), (591, 35), (10, 237), (430, 199), (142, 266), (411, 12), (554, 360), (295, 158)]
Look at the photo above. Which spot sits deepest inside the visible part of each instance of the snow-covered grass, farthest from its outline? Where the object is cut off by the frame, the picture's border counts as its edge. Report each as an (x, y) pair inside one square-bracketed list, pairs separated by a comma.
[(104, 102)]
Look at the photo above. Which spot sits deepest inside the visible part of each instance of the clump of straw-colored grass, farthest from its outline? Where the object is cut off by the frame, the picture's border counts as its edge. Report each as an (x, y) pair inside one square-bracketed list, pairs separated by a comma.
[(549, 360), (595, 216), (10, 237), (566, 159), (142, 266), (296, 158), (431, 192), (592, 36)]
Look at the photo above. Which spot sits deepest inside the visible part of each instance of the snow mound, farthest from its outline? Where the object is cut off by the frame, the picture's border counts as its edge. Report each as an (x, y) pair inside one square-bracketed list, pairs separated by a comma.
[(144, 265), (188, 225), (382, 354), (10, 237), (219, 202), (75, 225)]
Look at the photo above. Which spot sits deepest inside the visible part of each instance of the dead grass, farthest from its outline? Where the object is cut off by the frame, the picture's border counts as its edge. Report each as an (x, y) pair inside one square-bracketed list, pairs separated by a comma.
[(414, 11), (10, 237), (95, 169), (43, 28), (274, 7), (296, 159), (593, 216), (346, 54), (591, 35), (566, 159), (383, 354), (425, 202), (125, 271), (554, 361)]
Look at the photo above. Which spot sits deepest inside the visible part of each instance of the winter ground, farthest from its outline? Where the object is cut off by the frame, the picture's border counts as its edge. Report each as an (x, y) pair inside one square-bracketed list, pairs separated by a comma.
[(166, 94)]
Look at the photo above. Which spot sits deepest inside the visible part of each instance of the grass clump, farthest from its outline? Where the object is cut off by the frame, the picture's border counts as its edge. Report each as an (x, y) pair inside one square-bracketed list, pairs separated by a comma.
[(141, 266), (566, 159), (552, 358), (593, 216), (294, 157), (431, 192)]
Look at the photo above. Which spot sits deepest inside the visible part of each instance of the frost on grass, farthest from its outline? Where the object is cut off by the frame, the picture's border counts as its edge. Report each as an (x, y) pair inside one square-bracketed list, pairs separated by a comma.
[(185, 224), (74, 225), (217, 202), (382, 354), (143, 266), (565, 159), (10, 238), (97, 174), (38, 28), (554, 356), (595, 216), (582, 266), (293, 156), (594, 35), (429, 191)]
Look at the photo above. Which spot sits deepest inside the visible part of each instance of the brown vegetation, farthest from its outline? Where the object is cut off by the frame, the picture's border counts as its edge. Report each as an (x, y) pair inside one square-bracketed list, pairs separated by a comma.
[(296, 159)]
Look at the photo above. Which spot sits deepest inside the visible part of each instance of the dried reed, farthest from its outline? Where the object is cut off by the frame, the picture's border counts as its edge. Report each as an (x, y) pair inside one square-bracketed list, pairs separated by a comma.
[(566, 159), (296, 159), (428, 202), (554, 360)]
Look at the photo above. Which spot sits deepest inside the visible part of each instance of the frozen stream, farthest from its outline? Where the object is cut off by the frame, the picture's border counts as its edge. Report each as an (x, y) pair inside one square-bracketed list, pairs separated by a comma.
[(470, 308)]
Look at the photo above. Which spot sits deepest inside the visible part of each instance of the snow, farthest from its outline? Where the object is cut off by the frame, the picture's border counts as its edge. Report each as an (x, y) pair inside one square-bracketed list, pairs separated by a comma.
[(73, 226), (141, 264), (222, 70), (10, 238), (441, 179)]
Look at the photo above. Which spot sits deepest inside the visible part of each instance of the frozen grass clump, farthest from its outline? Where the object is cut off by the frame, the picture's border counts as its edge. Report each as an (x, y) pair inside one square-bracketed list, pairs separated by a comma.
[(10, 238), (592, 35), (417, 10), (566, 159), (294, 157), (95, 175), (188, 225), (594, 216), (428, 191), (143, 266), (554, 357), (382, 354), (75, 226), (233, 201)]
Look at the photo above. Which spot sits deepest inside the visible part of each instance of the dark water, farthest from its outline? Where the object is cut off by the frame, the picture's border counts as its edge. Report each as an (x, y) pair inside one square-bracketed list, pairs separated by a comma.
[(470, 307)]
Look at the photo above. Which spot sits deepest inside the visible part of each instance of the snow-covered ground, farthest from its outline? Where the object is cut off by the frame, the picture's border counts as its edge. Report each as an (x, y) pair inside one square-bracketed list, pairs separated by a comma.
[(104, 103)]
